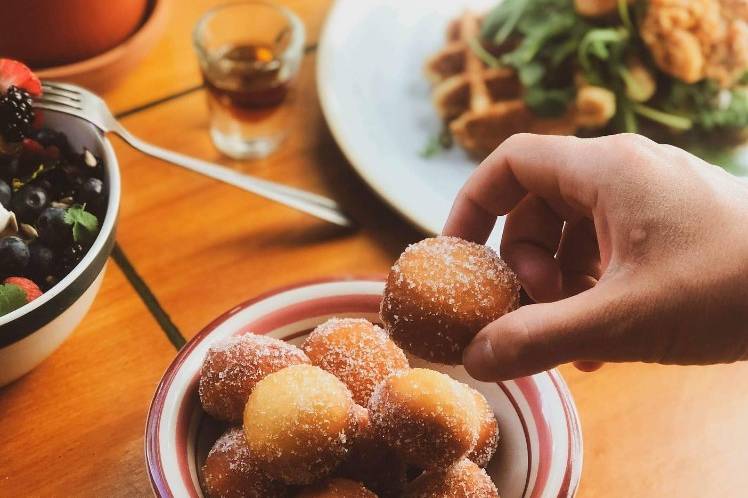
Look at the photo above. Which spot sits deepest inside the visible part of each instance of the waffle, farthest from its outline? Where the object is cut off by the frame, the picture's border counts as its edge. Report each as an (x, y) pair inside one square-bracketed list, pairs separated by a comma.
[(482, 105)]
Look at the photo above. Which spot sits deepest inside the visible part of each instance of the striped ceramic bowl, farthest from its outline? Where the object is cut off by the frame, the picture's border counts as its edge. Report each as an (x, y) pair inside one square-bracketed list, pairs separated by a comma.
[(540, 454)]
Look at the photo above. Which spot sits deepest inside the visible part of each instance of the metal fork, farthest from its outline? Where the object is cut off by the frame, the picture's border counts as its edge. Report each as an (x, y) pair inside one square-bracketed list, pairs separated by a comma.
[(79, 102)]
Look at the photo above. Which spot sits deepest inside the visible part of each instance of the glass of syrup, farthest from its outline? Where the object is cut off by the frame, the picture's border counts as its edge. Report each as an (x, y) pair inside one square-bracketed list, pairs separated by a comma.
[(249, 54)]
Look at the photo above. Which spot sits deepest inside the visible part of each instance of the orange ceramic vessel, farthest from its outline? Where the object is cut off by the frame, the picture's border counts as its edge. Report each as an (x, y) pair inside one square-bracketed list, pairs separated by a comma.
[(45, 33)]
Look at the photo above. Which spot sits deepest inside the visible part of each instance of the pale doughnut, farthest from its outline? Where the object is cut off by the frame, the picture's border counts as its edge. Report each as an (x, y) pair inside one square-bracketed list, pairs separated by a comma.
[(426, 416), (441, 292), (233, 366), (488, 431), (299, 422), (463, 479), (356, 352), (230, 471)]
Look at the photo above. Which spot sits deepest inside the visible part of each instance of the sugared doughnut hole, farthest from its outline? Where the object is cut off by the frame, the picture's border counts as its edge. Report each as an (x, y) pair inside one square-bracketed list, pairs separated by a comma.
[(426, 416), (300, 422), (232, 367), (441, 292), (464, 479), (357, 352), (231, 471)]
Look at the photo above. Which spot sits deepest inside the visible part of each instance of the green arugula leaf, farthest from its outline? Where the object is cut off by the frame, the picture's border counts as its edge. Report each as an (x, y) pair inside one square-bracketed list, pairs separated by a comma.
[(437, 143), (432, 147), (84, 224), (12, 297), (531, 74), (623, 13), (548, 102), (674, 121), (501, 21), (604, 44), (484, 55)]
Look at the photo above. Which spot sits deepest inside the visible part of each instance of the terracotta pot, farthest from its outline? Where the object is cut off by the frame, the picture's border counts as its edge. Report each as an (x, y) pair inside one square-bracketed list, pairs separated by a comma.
[(105, 70), (45, 33)]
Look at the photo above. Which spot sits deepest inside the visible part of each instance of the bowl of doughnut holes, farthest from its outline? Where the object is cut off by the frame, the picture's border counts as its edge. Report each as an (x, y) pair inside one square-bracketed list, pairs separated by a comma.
[(353, 388)]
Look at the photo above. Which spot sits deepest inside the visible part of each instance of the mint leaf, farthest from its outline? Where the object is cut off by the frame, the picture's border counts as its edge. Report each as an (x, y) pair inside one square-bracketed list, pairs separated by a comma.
[(84, 223), (12, 297)]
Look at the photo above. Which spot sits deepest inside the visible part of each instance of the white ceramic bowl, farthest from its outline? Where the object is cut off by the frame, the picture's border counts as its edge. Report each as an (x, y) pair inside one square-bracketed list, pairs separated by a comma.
[(31, 333), (540, 453)]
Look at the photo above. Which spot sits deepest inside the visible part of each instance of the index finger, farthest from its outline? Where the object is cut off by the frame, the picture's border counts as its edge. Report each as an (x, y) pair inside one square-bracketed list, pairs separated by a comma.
[(565, 171)]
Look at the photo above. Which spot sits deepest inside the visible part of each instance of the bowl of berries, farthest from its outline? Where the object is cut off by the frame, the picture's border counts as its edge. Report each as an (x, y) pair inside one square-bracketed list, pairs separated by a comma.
[(59, 198)]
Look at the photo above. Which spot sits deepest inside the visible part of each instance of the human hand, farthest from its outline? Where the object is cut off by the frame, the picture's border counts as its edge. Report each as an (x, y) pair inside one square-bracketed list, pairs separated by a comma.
[(633, 251)]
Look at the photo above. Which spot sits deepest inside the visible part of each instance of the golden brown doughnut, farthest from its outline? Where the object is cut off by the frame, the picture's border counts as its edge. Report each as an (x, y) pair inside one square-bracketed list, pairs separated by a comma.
[(357, 352), (336, 488), (441, 292), (299, 422), (463, 479), (230, 471), (233, 366), (488, 431), (373, 463), (426, 416)]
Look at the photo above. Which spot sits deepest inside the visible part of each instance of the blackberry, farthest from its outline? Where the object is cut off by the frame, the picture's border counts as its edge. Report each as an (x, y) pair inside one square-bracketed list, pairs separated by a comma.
[(16, 114)]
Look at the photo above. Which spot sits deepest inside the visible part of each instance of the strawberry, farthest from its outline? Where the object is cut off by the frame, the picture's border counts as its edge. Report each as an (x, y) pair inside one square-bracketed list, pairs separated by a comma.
[(29, 288), (14, 73), (32, 147)]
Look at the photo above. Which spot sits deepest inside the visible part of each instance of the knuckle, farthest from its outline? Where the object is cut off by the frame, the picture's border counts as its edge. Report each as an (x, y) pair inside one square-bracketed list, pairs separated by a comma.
[(635, 153)]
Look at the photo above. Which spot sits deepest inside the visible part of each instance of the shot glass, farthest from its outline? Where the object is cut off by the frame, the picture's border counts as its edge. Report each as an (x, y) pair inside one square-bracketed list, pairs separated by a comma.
[(249, 53)]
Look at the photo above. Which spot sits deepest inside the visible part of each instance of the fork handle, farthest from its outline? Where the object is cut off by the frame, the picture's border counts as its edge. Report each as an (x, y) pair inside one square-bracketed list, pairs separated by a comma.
[(313, 204)]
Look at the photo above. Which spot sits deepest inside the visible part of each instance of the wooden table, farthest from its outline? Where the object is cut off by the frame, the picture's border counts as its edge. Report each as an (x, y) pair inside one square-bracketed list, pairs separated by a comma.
[(190, 248)]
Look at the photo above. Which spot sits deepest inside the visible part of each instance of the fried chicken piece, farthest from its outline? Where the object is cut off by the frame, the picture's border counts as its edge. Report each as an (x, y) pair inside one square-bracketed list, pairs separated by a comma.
[(596, 8), (696, 39), (595, 106)]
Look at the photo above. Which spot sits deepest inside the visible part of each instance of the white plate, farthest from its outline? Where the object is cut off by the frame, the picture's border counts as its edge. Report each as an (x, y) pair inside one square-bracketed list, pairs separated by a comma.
[(377, 101)]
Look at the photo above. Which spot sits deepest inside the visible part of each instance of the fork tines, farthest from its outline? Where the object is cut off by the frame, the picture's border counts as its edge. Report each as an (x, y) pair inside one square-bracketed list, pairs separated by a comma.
[(55, 93)]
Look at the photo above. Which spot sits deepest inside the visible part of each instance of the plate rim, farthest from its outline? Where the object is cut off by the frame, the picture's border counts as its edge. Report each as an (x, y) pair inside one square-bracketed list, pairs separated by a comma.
[(324, 92)]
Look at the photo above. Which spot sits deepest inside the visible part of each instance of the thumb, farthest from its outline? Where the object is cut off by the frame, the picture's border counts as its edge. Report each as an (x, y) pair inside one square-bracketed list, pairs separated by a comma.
[(592, 325)]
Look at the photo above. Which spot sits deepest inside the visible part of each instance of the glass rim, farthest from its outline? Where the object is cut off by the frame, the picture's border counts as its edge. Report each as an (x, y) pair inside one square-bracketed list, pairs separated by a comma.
[(298, 34)]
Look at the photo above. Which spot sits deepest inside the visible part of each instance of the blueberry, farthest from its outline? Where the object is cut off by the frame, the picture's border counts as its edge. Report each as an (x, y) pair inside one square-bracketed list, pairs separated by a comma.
[(92, 193), (10, 168), (5, 194), (70, 257), (53, 181), (14, 256), (29, 202), (52, 228), (47, 137), (42, 260)]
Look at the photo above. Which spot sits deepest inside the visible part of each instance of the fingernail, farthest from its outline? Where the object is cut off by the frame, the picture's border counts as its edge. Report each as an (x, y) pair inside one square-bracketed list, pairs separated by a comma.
[(479, 359)]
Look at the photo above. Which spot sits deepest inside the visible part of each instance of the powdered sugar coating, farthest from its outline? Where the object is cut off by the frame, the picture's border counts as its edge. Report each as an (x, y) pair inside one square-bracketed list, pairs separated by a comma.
[(357, 352), (488, 431), (425, 416), (441, 292), (464, 479), (300, 422), (336, 488), (232, 367), (373, 463), (230, 471)]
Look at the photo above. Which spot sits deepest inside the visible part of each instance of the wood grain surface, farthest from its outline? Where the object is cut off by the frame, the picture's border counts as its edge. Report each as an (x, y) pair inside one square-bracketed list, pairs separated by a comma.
[(194, 248)]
